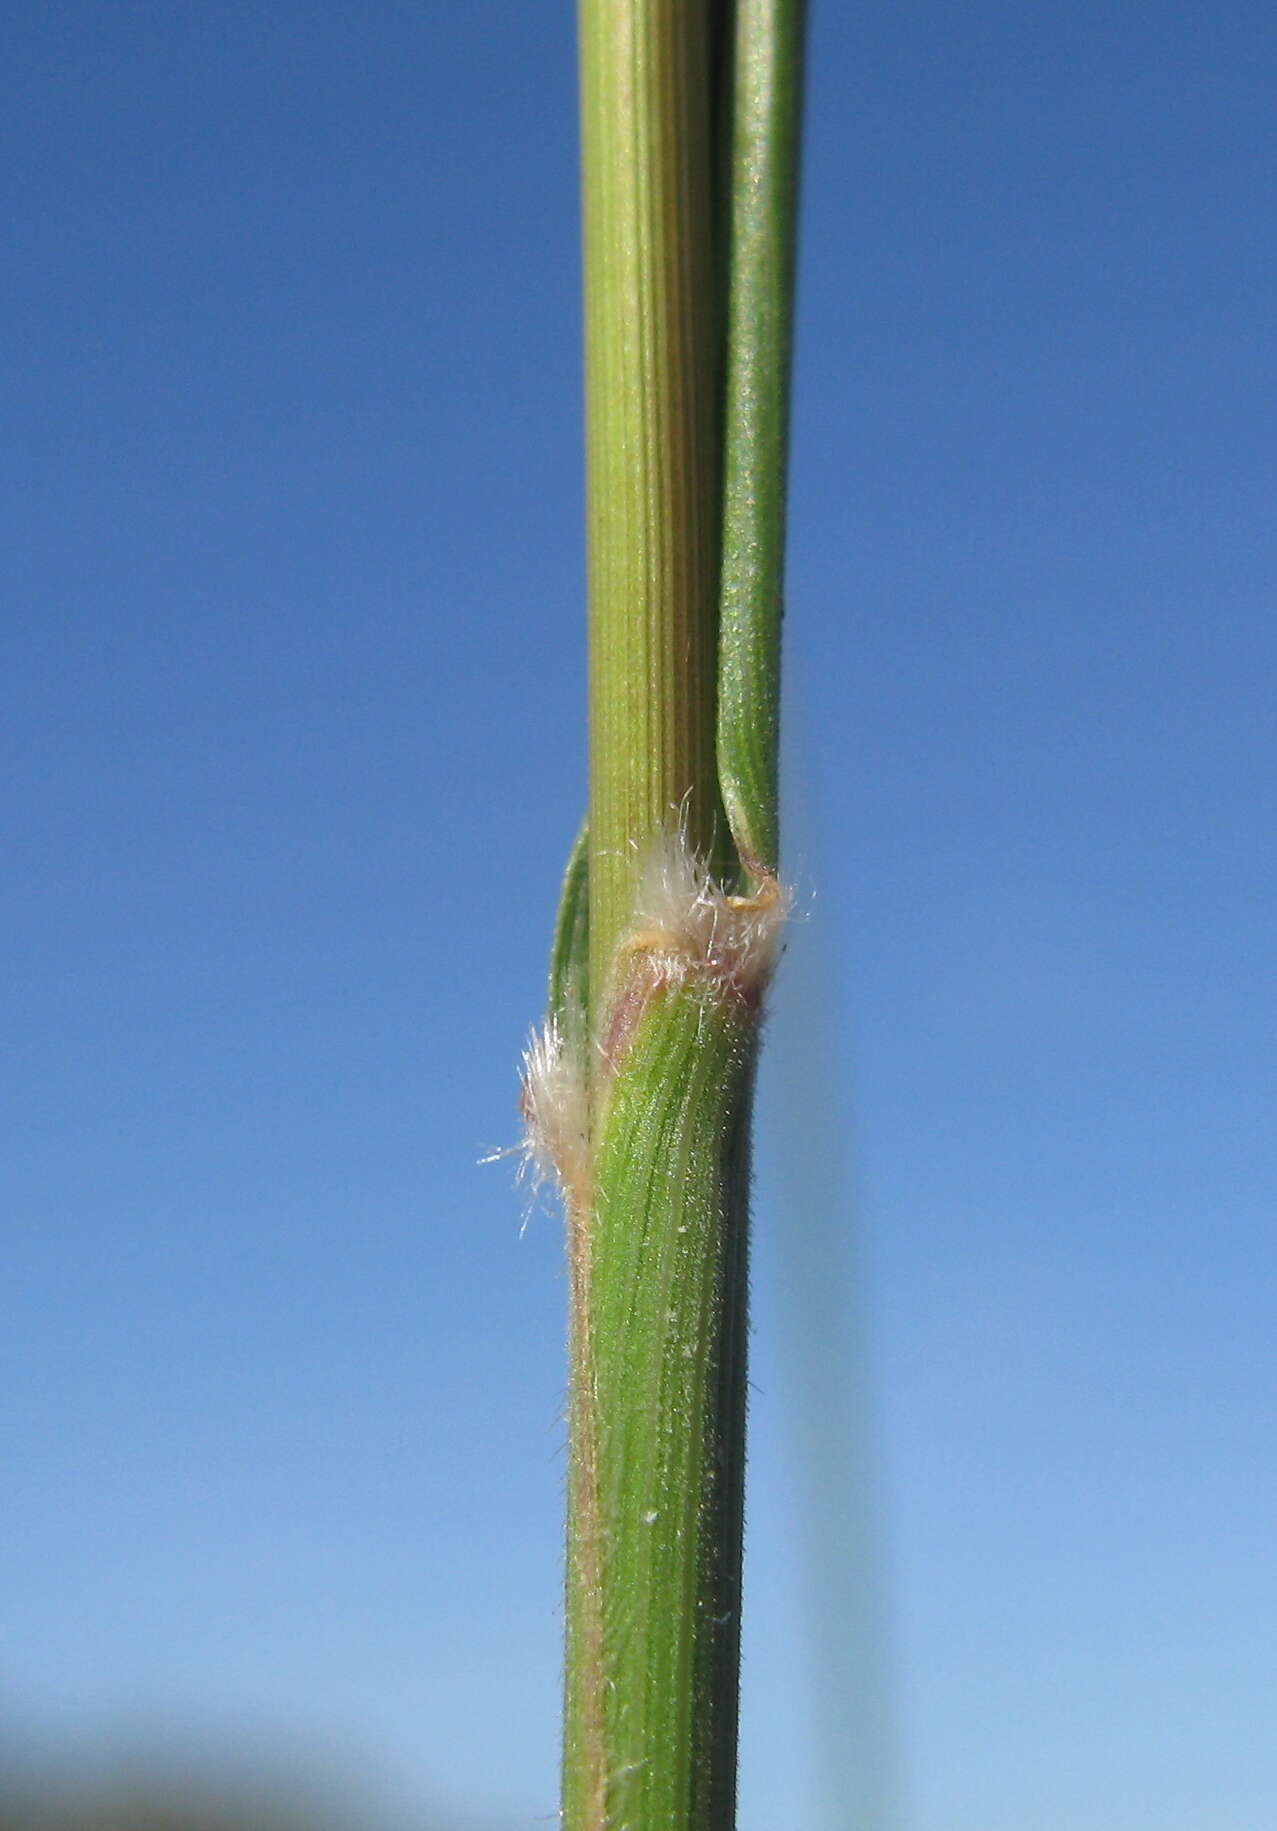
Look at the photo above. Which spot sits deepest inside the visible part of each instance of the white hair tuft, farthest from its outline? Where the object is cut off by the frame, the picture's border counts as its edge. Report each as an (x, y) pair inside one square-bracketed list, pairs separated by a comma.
[(555, 1108), (681, 912)]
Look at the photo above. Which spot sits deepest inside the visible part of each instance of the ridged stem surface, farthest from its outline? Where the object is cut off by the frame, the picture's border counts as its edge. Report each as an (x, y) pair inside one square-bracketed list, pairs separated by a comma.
[(651, 386)]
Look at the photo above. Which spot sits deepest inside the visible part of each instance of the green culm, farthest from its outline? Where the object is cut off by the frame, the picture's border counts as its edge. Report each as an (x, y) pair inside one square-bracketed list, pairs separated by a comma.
[(637, 1092)]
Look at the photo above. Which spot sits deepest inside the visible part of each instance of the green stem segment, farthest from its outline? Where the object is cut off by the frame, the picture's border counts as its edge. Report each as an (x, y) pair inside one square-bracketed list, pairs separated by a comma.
[(652, 377), (654, 1620)]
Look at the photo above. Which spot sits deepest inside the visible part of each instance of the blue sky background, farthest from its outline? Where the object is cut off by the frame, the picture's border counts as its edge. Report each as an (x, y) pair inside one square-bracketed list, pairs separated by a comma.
[(291, 750)]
